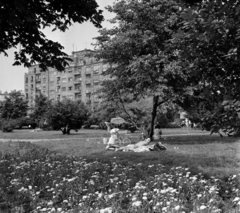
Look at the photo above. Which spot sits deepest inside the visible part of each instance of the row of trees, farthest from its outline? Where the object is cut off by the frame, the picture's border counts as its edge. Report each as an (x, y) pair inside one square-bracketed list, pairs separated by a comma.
[(175, 53), (46, 113)]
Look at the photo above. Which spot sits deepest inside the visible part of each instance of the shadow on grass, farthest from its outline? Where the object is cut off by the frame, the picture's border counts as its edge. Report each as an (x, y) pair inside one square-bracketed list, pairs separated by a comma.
[(198, 139)]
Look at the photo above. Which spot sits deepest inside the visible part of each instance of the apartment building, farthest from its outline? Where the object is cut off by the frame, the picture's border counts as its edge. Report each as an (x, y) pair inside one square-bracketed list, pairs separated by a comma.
[(79, 81)]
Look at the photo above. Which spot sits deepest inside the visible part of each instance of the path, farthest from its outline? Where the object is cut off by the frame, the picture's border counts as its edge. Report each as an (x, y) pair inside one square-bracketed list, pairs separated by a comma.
[(62, 139)]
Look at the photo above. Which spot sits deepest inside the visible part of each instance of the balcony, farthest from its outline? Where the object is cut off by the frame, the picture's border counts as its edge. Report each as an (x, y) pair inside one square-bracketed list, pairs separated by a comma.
[(77, 72), (88, 73), (38, 80), (77, 80), (77, 90), (88, 82), (88, 92)]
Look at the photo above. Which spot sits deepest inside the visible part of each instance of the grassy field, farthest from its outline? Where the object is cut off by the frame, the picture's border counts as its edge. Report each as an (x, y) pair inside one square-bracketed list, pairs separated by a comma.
[(195, 149), (83, 177), (211, 155), (82, 133)]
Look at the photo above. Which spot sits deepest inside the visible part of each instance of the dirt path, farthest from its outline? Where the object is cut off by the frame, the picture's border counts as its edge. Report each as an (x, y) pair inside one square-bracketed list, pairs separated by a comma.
[(62, 139)]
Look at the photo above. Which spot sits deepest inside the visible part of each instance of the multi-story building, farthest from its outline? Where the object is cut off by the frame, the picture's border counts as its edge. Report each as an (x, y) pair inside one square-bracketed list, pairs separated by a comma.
[(79, 81)]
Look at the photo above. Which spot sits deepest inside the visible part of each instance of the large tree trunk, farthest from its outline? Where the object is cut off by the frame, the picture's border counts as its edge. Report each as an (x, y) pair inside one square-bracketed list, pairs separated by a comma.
[(154, 113)]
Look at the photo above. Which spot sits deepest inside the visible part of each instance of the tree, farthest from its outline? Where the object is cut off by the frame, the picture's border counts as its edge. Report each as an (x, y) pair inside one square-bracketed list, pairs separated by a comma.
[(208, 51), (41, 107), (67, 113), (14, 106), (21, 23), (137, 47)]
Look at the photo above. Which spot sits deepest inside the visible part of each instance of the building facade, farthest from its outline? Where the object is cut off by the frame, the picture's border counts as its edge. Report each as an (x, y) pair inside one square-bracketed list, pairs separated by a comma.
[(79, 81)]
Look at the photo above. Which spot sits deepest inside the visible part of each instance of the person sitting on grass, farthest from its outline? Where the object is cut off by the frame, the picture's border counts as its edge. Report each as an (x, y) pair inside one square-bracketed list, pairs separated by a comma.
[(113, 133)]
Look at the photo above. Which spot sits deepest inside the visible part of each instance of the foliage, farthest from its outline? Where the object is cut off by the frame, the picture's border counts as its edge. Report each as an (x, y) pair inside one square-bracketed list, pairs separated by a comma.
[(14, 106), (136, 47), (42, 105), (42, 181), (22, 23), (67, 112), (208, 53), (25, 121), (7, 125)]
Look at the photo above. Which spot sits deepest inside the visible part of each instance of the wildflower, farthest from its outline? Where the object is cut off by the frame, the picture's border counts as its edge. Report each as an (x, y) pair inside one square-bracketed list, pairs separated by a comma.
[(106, 210), (202, 207), (134, 198), (164, 209), (177, 207), (50, 203), (144, 198), (236, 199), (137, 203), (53, 210), (59, 209)]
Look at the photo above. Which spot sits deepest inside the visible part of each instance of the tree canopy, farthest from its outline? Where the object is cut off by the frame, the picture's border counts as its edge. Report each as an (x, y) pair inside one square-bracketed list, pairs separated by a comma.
[(136, 46), (21, 23), (14, 106), (67, 113), (208, 50), (172, 51)]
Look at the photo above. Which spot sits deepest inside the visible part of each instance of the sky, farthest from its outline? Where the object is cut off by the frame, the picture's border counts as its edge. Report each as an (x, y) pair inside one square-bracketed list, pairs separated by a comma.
[(77, 37)]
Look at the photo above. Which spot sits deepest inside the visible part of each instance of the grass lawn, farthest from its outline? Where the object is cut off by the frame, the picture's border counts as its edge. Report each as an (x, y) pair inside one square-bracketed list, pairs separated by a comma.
[(212, 155), (202, 152)]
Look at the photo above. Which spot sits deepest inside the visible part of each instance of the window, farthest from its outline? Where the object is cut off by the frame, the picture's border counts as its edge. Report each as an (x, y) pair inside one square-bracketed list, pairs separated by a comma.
[(69, 71), (44, 88), (35, 70), (58, 89), (52, 83), (96, 69), (70, 79), (105, 67), (69, 88), (63, 89), (52, 92), (70, 97), (63, 97), (44, 80), (64, 80), (26, 80)]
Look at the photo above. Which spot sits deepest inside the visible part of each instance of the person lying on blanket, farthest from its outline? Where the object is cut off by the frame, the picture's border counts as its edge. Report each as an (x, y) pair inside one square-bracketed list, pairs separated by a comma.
[(141, 146)]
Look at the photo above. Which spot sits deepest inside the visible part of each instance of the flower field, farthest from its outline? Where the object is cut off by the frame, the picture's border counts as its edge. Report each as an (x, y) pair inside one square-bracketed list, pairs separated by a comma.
[(38, 180)]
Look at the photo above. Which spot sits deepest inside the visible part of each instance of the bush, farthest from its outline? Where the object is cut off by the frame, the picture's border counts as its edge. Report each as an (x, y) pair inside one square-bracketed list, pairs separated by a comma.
[(7, 126)]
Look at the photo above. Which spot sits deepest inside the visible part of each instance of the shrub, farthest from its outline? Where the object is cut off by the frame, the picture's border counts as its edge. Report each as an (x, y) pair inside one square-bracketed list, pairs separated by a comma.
[(7, 126)]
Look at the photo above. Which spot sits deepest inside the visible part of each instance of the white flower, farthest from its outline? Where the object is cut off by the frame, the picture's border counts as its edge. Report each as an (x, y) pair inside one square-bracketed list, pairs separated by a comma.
[(134, 198), (50, 203), (164, 209), (202, 207), (144, 198), (137, 203), (236, 199), (177, 207), (106, 210)]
